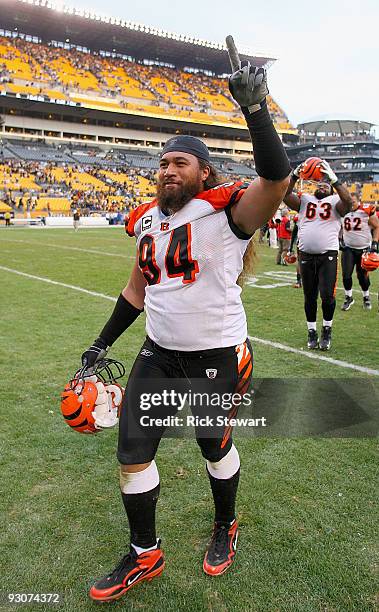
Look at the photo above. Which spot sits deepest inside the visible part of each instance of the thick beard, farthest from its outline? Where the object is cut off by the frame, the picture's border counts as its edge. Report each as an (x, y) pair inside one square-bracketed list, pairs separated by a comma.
[(173, 202)]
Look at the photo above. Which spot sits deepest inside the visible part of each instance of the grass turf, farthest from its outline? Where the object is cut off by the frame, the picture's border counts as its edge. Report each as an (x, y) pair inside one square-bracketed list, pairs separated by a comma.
[(306, 506)]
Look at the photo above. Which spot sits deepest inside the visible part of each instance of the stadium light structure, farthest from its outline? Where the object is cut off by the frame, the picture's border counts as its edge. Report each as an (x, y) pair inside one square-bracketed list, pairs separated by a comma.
[(58, 6)]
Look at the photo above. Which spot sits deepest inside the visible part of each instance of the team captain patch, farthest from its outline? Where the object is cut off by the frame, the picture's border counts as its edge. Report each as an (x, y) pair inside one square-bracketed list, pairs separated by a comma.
[(146, 222)]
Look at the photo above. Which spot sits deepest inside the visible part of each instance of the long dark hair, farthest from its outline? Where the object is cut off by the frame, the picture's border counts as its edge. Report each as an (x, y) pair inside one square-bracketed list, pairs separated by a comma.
[(214, 179)]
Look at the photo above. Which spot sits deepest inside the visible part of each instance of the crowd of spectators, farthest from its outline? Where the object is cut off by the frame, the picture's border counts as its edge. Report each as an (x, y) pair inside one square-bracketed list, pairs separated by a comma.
[(71, 71), (111, 195)]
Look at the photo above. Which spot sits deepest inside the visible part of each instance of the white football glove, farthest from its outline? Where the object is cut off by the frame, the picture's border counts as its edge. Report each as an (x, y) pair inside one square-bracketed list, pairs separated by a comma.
[(327, 170), (298, 170), (107, 403)]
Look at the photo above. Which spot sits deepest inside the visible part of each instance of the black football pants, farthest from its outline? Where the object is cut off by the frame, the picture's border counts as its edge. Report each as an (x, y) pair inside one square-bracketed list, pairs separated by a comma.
[(319, 275), (224, 370), (351, 258)]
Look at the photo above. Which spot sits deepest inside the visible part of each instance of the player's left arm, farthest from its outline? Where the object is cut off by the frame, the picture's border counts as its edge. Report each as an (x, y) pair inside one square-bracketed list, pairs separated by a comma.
[(373, 222), (259, 202), (345, 203)]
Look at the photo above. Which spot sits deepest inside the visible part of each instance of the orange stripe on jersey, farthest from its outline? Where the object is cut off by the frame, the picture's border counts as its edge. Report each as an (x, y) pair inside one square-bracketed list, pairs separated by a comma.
[(335, 284), (369, 209), (245, 369), (222, 195), (136, 214)]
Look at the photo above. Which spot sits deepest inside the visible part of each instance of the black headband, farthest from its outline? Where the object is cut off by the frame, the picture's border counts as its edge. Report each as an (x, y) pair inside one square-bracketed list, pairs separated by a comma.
[(187, 144)]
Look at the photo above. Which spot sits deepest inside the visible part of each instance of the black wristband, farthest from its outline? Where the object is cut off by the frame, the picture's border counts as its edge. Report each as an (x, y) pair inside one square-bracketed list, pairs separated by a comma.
[(122, 317), (336, 184), (271, 161), (374, 246)]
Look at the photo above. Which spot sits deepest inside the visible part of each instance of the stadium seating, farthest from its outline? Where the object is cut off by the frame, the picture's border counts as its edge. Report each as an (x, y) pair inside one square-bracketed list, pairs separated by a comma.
[(4, 207), (119, 84), (53, 204), (370, 192), (37, 178)]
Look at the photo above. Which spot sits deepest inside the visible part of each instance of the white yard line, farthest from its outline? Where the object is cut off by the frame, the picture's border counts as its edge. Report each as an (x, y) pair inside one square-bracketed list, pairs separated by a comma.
[(53, 282), (70, 248), (336, 362), (277, 345)]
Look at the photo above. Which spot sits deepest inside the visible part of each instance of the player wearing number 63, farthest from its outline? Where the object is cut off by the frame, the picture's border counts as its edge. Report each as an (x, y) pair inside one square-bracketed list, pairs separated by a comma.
[(319, 227), (191, 241)]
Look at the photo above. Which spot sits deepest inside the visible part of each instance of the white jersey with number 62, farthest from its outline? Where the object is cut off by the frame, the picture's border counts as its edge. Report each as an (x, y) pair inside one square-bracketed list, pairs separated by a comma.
[(356, 229)]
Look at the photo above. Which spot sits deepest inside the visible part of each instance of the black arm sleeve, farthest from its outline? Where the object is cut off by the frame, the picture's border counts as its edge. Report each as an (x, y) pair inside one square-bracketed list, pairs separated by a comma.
[(271, 161), (123, 315)]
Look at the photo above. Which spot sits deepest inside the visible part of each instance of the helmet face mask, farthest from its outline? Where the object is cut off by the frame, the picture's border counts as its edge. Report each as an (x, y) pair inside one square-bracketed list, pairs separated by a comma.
[(92, 399), (106, 370)]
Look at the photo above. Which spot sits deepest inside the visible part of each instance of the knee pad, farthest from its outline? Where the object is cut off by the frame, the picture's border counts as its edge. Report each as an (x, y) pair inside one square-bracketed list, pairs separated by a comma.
[(226, 467), (139, 482), (328, 300)]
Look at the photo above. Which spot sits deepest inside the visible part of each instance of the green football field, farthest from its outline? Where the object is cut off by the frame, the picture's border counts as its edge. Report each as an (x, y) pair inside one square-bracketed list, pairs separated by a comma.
[(306, 505)]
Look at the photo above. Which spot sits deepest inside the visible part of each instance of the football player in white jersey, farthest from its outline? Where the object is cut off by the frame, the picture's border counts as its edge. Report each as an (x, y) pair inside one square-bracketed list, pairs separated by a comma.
[(319, 225), (360, 233), (191, 241)]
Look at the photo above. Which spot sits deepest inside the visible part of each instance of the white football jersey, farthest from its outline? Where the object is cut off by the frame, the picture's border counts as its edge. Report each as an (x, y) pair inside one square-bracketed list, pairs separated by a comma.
[(319, 224), (191, 261), (356, 230)]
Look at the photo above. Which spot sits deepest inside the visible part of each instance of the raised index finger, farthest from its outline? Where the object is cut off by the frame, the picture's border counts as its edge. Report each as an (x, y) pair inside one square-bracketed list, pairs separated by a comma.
[(233, 53)]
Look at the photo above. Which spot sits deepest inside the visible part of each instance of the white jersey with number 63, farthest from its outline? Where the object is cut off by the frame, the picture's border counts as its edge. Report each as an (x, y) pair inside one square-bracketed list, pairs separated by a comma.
[(319, 224)]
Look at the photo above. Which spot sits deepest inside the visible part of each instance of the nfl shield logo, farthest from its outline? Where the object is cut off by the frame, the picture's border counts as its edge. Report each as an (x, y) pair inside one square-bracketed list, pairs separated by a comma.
[(211, 372)]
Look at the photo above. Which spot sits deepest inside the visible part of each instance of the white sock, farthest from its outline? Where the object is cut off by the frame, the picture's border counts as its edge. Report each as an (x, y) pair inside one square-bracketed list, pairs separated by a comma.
[(327, 323), (349, 292), (140, 550), (311, 325), (366, 293)]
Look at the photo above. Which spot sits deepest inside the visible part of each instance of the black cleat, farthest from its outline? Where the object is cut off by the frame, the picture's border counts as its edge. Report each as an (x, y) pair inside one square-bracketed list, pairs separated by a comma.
[(326, 338), (222, 549), (367, 303), (312, 339), (349, 301), (131, 570)]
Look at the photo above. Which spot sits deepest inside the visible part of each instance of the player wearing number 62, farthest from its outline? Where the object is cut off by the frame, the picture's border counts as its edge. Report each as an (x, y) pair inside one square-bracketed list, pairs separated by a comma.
[(191, 241), (360, 233), (319, 226)]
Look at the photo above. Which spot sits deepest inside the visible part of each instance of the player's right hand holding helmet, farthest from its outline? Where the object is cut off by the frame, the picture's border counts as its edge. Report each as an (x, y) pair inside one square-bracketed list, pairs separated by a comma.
[(96, 352), (91, 402)]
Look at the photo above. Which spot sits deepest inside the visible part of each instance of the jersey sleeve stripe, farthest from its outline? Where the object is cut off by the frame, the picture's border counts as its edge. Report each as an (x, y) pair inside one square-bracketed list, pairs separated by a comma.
[(136, 214), (235, 229)]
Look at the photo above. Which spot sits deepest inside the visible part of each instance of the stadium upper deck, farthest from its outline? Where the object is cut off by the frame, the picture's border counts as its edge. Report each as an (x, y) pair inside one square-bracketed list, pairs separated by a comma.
[(348, 145), (119, 68)]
